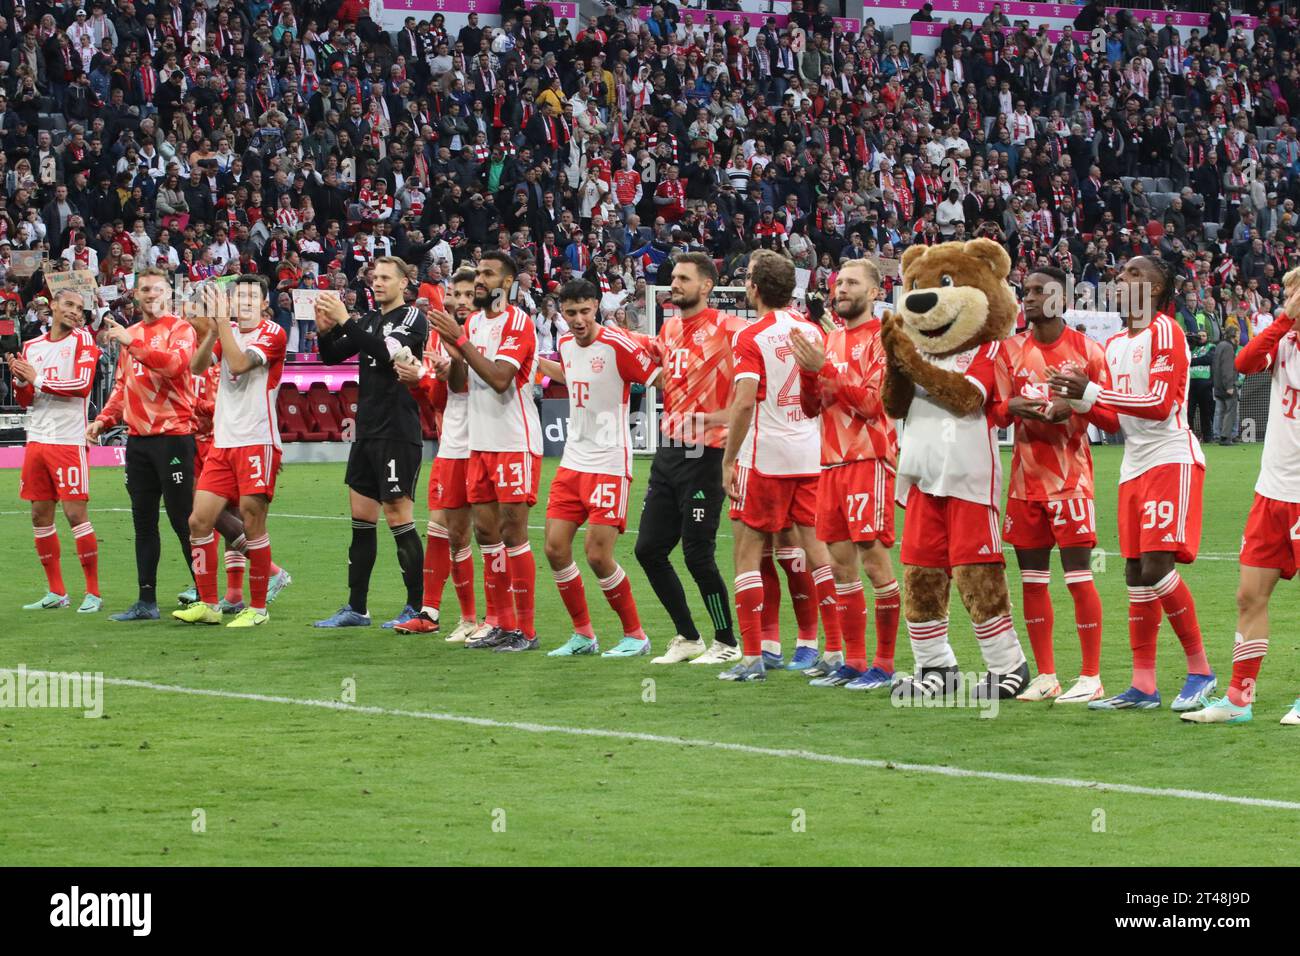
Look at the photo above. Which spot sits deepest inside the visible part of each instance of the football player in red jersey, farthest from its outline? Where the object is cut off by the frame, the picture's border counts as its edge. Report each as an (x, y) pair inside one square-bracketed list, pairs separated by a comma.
[(683, 501), (1050, 495), (771, 463), (499, 344), (1161, 478), (1270, 545), (154, 396), (840, 383), (441, 383), (53, 377), (599, 365), (242, 465)]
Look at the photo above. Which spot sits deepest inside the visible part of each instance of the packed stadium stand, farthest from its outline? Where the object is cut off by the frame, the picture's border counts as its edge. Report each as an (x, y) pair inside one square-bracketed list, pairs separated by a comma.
[(303, 139)]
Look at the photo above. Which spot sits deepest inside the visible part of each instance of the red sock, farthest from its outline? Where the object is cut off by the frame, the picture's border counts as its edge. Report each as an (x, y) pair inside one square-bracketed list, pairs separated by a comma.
[(1143, 627), (888, 606), (1247, 656), (275, 569), (852, 600), (618, 592), (83, 535), (496, 586), (1087, 619), (203, 560), (804, 594), (47, 549), (1176, 599), (823, 581), (1039, 618), (523, 581), (771, 599), (462, 579), (749, 612), (574, 596), (259, 571), (437, 566), (235, 565)]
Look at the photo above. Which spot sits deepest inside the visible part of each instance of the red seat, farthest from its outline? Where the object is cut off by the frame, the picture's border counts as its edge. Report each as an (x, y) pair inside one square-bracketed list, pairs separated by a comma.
[(295, 417), (326, 410), (348, 401), (428, 422), (555, 390)]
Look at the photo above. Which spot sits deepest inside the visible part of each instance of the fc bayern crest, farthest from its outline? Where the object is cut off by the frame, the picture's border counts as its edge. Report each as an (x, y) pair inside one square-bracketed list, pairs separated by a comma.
[(857, 351), (597, 365), (1137, 354), (699, 337)]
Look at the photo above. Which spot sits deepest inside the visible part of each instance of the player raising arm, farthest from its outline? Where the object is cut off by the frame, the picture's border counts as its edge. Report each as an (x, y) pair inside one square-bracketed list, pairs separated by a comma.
[(441, 383), (599, 365), (1050, 498), (1161, 477), (53, 378), (1270, 547), (242, 465), (840, 383)]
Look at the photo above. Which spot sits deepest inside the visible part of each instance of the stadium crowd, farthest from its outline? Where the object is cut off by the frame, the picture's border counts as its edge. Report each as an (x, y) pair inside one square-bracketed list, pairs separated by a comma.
[(301, 141)]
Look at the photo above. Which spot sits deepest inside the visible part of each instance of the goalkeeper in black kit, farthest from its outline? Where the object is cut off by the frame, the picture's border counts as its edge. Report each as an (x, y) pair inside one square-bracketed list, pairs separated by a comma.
[(384, 463)]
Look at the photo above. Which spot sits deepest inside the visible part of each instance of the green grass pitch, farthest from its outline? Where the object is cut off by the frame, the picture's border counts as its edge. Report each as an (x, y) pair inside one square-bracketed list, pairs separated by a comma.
[(171, 778)]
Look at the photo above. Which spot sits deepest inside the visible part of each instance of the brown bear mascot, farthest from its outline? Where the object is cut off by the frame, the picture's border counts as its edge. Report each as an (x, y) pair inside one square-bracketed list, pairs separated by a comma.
[(941, 350)]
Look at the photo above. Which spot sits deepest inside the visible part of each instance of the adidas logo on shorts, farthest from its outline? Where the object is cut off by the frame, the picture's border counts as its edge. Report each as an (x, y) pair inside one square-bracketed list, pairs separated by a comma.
[(984, 549)]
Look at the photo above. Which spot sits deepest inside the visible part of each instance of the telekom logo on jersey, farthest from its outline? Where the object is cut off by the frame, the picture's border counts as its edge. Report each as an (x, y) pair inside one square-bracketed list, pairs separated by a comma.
[(579, 392), (1290, 401), (677, 362)]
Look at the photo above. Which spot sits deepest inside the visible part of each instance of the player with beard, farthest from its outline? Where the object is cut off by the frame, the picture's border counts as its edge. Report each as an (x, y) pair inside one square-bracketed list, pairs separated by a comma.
[(499, 344), (683, 501), (1050, 494), (53, 377), (154, 396), (384, 461), (841, 382), (442, 383)]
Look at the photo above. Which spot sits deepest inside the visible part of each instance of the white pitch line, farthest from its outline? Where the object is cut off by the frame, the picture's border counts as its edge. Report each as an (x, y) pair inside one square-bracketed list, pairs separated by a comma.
[(1203, 556), (747, 749)]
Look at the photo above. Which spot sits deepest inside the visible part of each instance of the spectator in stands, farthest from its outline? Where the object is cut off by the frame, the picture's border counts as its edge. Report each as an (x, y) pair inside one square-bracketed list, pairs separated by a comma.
[(1224, 379)]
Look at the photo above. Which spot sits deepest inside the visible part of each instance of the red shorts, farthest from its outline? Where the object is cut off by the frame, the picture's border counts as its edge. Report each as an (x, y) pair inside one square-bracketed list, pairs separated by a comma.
[(231, 473), (201, 448), (1160, 510), (447, 485), (949, 532), (1067, 523), (54, 473), (1272, 536), (855, 502), (503, 476), (578, 496), (772, 504)]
